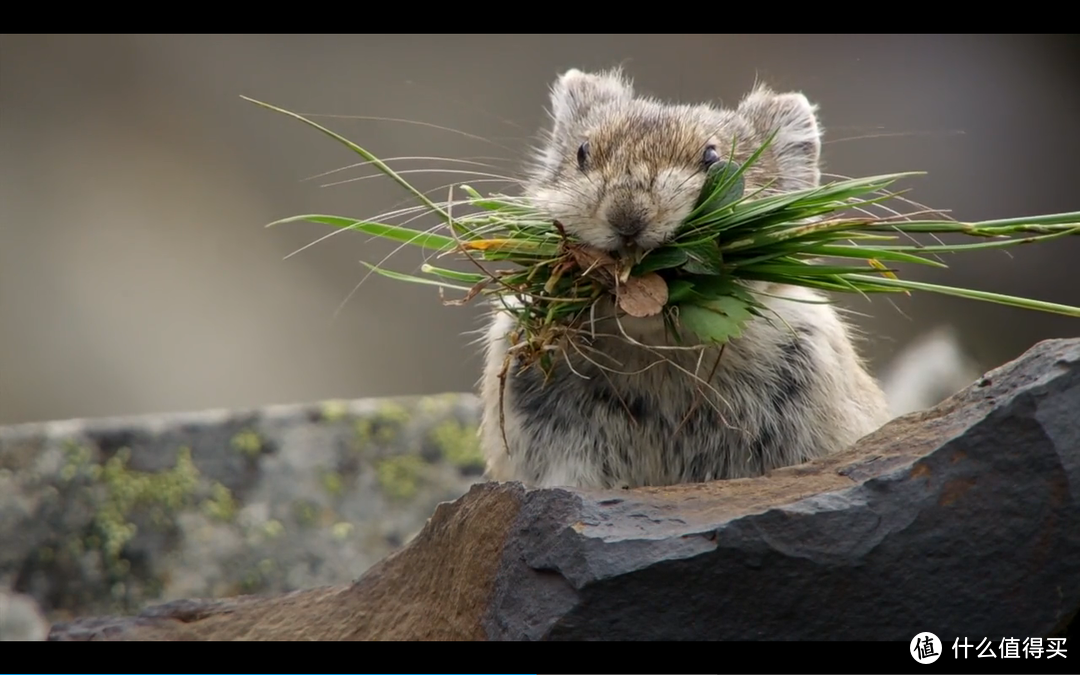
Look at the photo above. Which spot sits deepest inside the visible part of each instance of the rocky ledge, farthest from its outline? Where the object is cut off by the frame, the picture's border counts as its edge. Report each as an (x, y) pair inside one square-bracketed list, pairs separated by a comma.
[(961, 520)]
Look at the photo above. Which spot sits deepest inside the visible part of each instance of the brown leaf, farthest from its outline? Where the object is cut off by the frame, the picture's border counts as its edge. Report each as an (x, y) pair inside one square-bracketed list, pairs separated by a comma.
[(643, 296), (595, 262), (637, 296)]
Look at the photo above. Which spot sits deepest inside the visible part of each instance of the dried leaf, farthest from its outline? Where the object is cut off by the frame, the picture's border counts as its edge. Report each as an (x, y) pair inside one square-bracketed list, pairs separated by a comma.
[(588, 257), (643, 296), (502, 245), (877, 264), (556, 274), (595, 262)]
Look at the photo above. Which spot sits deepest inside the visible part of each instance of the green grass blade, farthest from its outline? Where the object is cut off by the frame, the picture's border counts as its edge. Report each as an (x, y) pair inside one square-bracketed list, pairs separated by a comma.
[(404, 235), (824, 284), (454, 275), (798, 270), (1048, 224), (1068, 218), (375, 161), (1001, 243), (894, 254), (398, 276), (787, 234), (985, 296)]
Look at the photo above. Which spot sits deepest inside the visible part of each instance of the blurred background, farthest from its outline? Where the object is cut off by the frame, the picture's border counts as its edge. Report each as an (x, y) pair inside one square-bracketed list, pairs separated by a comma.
[(136, 275)]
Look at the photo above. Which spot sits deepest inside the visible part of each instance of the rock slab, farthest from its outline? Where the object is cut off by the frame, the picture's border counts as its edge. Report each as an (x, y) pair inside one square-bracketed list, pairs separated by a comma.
[(962, 520)]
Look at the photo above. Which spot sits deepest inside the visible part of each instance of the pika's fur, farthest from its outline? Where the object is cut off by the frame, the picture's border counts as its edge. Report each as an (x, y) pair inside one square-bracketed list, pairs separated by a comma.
[(618, 170)]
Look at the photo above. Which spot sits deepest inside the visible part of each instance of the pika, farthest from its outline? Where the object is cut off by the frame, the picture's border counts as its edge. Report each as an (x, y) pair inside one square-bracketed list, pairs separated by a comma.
[(620, 171)]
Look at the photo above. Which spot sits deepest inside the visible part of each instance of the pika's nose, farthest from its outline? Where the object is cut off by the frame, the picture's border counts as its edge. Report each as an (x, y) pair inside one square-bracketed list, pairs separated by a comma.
[(627, 223)]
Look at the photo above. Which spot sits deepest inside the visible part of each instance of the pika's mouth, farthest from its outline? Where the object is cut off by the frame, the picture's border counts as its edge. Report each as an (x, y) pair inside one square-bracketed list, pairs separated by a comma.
[(645, 234), (630, 250), (637, 245)]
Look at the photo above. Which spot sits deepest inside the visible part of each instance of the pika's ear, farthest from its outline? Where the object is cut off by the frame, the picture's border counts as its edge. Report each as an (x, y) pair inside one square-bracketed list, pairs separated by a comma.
[(576, 92), (797, 144)]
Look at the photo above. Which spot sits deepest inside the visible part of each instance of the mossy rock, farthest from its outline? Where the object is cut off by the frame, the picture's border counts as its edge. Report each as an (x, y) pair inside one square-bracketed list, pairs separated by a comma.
[(105, 516)]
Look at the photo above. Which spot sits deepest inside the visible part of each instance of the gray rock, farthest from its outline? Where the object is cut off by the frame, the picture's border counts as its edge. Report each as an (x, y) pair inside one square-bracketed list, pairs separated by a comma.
[(103, 516), (962, 520)]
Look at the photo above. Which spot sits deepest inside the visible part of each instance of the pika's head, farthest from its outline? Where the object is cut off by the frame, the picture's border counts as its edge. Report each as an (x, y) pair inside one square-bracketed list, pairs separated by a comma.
[(621, 171)]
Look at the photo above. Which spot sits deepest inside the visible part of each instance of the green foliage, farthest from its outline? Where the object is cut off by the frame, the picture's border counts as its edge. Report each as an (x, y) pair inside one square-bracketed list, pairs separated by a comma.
[(821, 238)]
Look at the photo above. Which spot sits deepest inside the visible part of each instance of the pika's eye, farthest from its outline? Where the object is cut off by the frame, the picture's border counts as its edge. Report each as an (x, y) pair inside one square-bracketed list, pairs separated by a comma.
[(583, 155), (710, 156)]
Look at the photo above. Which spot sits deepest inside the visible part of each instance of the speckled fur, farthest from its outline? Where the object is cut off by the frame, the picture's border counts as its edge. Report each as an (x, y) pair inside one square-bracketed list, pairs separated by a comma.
[(616, 414)]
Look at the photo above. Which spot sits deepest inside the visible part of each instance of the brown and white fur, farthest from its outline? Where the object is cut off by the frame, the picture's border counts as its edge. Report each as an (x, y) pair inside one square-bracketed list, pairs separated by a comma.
[(630, 408)]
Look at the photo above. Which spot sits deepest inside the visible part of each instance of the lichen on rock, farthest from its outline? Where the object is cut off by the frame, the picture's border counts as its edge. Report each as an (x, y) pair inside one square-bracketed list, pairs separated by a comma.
[(105, 516)]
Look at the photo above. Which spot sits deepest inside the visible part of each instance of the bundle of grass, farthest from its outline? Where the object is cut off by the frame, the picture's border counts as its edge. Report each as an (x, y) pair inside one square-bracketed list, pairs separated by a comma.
[(824, 238)]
